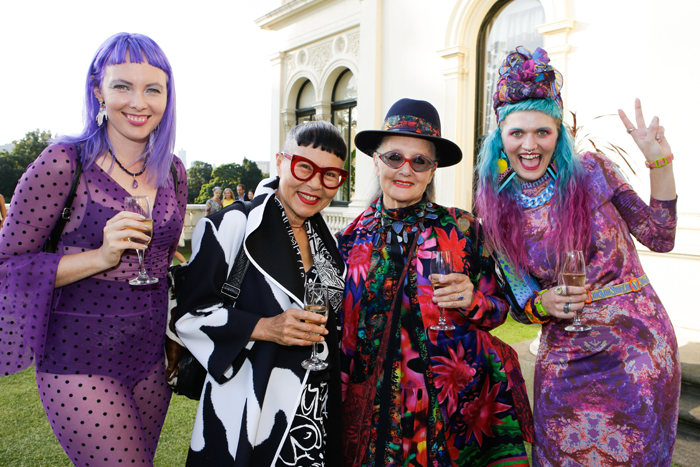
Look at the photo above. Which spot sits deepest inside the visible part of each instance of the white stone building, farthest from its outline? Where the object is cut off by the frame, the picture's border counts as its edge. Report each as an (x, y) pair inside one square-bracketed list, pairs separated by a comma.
[(347, 61)]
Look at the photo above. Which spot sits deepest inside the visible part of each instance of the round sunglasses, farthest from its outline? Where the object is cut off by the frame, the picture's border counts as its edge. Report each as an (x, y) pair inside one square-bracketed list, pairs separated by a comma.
[(303, 170), (419, 163)]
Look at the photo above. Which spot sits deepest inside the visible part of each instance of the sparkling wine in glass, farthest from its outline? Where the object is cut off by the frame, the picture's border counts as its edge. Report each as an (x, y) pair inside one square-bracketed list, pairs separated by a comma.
[(315, 301), (141, 205), (574, 274), (440, 265)]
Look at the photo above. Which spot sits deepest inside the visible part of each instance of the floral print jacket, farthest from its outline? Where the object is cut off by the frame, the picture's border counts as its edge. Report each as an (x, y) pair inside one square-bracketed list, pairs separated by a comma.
[(462, 381)]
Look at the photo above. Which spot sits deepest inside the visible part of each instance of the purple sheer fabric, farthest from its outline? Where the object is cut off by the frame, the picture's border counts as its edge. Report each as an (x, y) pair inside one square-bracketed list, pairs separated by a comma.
[(97, 329)]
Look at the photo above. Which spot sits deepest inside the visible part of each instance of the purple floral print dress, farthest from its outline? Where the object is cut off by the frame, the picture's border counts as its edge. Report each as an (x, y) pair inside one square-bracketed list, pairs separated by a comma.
[(609, 396)]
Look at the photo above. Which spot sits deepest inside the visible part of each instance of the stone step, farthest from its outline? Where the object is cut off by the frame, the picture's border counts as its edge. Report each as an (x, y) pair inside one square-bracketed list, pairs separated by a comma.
[(686, 452), (689, 413)]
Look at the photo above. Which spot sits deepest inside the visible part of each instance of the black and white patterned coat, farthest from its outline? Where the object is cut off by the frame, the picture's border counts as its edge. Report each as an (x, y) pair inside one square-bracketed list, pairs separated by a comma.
[(252, 390)]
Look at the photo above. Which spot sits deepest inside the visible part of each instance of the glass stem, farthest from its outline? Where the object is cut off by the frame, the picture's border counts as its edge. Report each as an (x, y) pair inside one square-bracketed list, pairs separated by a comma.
[(142, 268), (314, 356)]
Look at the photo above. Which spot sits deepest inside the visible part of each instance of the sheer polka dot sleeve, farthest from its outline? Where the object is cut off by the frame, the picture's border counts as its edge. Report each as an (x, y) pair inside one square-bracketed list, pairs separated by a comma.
[(26, 274)]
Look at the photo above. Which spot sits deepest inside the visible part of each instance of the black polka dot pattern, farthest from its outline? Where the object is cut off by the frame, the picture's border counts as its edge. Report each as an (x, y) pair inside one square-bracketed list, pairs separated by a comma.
[(96, 339)]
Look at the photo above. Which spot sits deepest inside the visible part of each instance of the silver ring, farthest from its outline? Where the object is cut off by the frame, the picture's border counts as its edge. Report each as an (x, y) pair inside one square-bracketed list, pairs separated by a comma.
[(567, 307), (459, 297), (658, 138), (631, 130)]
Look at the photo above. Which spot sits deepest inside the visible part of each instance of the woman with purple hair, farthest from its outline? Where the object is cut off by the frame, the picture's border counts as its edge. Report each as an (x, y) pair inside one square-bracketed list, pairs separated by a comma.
[(607, 396), (97, 341)]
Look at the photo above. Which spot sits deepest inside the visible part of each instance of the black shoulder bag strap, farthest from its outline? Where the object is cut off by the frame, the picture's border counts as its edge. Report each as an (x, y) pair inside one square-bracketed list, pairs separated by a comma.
[(55, 235), (232, 287)]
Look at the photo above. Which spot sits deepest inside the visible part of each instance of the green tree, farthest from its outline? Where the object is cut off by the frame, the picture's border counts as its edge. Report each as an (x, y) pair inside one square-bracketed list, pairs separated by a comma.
[(229, 176), (251, 176), (197, 176), (14, 164)]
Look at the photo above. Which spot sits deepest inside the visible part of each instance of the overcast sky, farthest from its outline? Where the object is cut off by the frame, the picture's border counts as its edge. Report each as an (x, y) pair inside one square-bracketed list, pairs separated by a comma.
[(220, 61)]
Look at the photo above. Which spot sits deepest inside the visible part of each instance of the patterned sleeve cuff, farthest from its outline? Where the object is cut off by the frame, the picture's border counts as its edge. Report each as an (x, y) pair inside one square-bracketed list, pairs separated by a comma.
[(532, 314)]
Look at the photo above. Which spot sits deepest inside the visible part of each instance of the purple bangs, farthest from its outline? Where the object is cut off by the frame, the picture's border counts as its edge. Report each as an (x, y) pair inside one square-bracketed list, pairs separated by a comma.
[(123, 48)]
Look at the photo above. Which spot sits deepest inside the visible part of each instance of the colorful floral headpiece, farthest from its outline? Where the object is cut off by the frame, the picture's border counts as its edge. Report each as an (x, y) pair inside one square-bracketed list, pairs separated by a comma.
[(411, 124), (523, 76)]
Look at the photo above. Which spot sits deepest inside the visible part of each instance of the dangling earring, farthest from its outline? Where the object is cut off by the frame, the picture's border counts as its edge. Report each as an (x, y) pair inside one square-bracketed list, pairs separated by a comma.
[(552, 170), (102, 114), (505, 172)]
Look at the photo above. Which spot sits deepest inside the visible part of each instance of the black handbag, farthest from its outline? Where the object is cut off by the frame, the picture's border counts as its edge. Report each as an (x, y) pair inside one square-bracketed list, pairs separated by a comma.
[(184, 374)]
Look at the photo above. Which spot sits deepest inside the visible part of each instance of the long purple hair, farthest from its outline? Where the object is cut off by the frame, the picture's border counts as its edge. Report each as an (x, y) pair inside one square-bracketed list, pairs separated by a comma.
[(502, 215), (94, 139)]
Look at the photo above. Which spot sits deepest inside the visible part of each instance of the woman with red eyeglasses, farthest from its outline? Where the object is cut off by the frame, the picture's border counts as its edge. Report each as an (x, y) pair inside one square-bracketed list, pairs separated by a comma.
[(259, 406), (423, 386)]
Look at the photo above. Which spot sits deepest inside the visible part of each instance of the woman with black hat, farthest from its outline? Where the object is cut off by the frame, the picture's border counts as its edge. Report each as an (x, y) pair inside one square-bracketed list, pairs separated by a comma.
[(414, 395)]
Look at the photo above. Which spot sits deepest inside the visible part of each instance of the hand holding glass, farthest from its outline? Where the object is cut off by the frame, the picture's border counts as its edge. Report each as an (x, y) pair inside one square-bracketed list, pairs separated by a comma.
[(141, 205), (440, 265), (315, 301), (574, 274)]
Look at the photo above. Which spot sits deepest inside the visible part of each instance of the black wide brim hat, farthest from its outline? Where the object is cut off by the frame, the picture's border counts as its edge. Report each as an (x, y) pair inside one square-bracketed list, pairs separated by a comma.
[(417, 119)]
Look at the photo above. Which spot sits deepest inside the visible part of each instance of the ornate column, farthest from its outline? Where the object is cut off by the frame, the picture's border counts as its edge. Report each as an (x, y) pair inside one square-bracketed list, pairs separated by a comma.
[(454, 187)]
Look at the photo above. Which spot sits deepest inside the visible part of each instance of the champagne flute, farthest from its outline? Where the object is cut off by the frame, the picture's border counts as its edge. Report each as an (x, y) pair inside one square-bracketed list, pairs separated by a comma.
[(574, 273), (316, 301), (440, 264), (141, 205)]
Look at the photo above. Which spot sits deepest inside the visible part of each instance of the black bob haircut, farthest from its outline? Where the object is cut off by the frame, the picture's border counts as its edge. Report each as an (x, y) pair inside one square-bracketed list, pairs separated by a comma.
[(315, 134)]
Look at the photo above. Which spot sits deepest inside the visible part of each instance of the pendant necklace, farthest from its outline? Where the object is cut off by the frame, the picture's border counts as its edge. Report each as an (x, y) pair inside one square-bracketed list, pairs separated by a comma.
[(136, 174)]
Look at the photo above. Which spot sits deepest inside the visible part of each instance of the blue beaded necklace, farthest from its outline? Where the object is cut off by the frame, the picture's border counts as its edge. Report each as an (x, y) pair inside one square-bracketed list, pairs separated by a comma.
[(529, 202)]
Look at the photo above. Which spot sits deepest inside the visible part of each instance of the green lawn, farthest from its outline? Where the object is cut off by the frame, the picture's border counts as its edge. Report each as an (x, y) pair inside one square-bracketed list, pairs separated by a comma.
[(26, 439), (511, 331)]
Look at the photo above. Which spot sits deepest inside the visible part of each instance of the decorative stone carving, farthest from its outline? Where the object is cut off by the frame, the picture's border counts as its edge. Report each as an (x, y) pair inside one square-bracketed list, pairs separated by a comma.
[(340, 45), (290, 65), (354, 43), (320, 55), (302, 57)]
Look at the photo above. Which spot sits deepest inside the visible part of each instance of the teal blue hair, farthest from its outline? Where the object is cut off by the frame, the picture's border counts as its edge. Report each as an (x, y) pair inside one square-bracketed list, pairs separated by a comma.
[(502, 215)]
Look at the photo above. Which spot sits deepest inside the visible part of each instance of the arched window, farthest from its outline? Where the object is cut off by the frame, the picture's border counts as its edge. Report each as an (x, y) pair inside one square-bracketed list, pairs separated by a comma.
[(508, 24), (305, 103), (344, 111)]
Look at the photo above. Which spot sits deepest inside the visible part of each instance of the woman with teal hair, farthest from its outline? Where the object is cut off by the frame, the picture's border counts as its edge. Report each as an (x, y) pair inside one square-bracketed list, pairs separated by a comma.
[(609, 395)]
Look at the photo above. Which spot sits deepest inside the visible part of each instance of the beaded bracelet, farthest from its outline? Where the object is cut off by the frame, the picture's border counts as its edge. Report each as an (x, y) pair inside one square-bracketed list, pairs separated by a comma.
[(538, 303), (659, 162)]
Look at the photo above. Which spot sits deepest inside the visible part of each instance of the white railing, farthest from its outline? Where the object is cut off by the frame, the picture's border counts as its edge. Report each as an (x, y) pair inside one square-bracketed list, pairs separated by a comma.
[(194, 213), (339, 217)]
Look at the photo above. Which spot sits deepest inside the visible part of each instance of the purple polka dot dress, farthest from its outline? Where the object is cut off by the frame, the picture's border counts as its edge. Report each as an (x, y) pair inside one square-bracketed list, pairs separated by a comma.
[(97, 344)]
